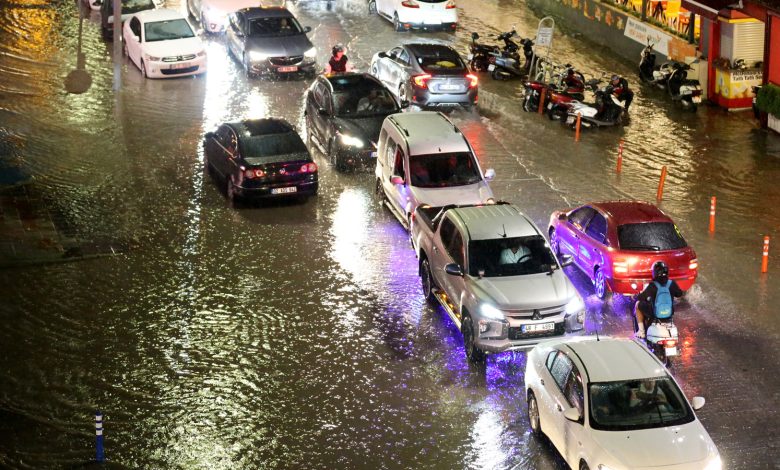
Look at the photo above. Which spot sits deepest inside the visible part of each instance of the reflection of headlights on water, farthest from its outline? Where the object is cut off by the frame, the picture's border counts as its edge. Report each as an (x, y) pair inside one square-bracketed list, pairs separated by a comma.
[(489, 311), (347, 139), (576, 306), (214, 16), (311, 53), (714, 464), (255, 56)]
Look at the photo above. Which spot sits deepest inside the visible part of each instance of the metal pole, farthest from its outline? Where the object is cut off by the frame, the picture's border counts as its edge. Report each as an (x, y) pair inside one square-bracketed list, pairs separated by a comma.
[(692, 28), (644, 10), (117, 44)]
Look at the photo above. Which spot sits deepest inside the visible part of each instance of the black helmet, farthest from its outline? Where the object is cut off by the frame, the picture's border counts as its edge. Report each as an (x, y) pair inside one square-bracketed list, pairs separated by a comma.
[(615, 78), (338, 48), (660, 272)]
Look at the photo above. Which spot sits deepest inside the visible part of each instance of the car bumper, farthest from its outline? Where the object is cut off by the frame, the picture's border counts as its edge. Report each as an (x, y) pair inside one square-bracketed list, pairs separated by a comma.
[(635, 286), (428, 19), (502, 336), (161, 69), (265, 191), (265, 67), (429, 99), (356, 157)]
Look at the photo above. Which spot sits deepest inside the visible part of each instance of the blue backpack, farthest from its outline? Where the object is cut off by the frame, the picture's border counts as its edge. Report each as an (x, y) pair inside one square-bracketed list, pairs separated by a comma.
[(663, 300)]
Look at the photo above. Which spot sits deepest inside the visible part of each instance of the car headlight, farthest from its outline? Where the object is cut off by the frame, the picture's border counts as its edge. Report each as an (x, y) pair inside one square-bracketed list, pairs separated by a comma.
[(201, 54), (490, 200), (255, 56), (311, 53), (575, 305), (151, 58), (351, 141), (714, 464), (489, 311)]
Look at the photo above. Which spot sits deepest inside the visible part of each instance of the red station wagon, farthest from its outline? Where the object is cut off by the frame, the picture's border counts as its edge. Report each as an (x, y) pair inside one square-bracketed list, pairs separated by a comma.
[(617, 242)]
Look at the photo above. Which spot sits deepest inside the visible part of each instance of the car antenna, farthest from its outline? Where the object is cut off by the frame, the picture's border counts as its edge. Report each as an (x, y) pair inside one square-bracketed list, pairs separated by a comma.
[(503, 235)]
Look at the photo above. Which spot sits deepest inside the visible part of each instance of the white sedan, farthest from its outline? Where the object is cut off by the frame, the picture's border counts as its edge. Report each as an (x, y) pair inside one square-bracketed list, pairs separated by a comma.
[(213, 14), (418, 14), (609, 404), (162, 44)]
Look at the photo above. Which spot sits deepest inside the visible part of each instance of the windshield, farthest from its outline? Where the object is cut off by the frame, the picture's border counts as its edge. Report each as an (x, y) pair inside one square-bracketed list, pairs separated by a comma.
[(365, 99), (167, 30), (274, 26), (441, 170), (637, 404), (510, 256), (134, 6), (441, 61), (656, 236), (255, 148)]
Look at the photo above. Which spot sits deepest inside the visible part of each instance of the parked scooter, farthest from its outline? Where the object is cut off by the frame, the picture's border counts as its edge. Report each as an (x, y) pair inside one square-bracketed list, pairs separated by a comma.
[(608, 110), (505, 63), (661, 338), (683, 89), (567, 86), (649, 73), (479, 54)]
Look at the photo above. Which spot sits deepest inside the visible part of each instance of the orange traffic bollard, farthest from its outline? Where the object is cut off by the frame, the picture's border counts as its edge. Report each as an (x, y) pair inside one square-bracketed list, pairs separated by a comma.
[(620, 158), (765, 256), (712, 214), (577, 130), (541, 100), (660, 194)]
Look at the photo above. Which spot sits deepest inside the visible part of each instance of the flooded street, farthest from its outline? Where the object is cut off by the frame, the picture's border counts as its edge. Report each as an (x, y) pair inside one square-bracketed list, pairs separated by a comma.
[(295, 335)]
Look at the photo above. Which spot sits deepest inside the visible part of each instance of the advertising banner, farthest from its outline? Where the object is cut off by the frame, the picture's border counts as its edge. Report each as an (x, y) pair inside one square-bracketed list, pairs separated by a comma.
[(643, 32)]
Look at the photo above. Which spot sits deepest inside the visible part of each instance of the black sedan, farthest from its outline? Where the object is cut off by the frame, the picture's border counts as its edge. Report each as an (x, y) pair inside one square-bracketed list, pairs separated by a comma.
[(260, 158), (270, 41), (344, 114), (428, 75)]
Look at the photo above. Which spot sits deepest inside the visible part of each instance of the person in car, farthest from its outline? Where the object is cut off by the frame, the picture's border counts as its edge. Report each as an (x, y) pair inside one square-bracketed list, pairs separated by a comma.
[(619, 87), (647, 305), (338, 63), (515, 253), (374, 101)]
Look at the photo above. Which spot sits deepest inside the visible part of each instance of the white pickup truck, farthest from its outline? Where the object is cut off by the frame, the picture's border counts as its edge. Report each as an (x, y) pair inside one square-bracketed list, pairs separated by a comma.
[(493, 271)]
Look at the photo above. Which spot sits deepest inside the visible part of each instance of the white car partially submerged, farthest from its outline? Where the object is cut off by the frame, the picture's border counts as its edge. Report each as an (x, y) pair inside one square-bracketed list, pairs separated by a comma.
[(213, 14), (162, 44), (608, 404)]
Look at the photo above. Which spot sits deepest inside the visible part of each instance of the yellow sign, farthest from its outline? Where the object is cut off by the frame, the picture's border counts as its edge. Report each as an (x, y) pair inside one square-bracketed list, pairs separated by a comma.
[(737, 84)]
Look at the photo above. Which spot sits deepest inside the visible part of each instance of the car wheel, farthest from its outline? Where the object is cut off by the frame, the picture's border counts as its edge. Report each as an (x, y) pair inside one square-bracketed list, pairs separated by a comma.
[(247, 67), (372, 7), (600, 283), (496, 74), (555, 243), (402, 93), (473, 353), (232, 193), (143, 69), (124, 48), (426, 278), (397, 24), (533, 415), (375, 70), (203, 24), (584, 466)]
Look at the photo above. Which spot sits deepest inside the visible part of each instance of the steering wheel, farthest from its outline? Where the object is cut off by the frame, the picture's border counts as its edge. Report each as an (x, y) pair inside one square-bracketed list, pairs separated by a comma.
[(523, 259)]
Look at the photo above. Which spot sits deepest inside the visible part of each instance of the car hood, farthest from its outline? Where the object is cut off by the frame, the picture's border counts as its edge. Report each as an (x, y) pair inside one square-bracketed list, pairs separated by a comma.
[(174, 47), (367, 128), (531, 291), (673, 445), (477, 193), (282, 46)]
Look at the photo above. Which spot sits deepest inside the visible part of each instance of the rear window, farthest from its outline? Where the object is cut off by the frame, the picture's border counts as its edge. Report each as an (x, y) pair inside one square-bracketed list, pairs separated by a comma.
[(273, 145), (133, 6), (510, 256), (651, 236), (440, 60), (443, 169)]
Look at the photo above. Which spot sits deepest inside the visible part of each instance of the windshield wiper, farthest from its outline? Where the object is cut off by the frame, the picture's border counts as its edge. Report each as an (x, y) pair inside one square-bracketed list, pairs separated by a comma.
[(642, 247)]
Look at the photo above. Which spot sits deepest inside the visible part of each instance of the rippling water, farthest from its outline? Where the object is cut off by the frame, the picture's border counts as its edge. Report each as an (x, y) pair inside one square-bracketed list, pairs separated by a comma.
[(295, 336)]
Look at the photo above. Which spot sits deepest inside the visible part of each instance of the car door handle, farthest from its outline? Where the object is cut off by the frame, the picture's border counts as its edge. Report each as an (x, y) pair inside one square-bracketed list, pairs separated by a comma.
[(558, 407), (541, 381)]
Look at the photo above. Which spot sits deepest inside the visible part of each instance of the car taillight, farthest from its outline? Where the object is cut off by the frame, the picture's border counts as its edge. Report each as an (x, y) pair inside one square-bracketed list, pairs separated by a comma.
[(309, 168), (669, 343), (410, 4), (450, 4), (254, 173), (693, 264), (421, 81), (623, 266), (473, 80)]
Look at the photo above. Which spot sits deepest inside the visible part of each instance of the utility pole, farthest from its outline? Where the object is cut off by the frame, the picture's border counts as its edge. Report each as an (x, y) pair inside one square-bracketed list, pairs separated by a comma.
[(117, 44)]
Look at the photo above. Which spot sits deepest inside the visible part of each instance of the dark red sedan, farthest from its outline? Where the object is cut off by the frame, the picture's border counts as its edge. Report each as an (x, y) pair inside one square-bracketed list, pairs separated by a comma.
[(617, 242)]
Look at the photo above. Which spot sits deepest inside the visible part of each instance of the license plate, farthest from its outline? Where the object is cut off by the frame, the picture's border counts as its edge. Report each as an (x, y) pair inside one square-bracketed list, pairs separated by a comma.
[(671, 351), (491, 67), (470, 56), (291, 189), (570, 120), (549, 105), (182, 65), (372, 154), (290, 68), (696, 99), (448, 87), (539, 327)]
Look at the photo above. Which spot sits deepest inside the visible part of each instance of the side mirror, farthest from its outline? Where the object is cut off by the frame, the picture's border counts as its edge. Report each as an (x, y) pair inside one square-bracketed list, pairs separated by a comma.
[(397, 179), (405, 104), (474, 36), (566, 260), (382, 55), (453, 269), (307, 29), (209, 135), (697, 403), (562, 216), (572, 414), (322, 111), (490, 174)]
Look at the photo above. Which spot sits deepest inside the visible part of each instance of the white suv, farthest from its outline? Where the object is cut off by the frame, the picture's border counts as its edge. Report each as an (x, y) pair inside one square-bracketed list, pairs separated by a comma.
[(423, 158), (419, 14)]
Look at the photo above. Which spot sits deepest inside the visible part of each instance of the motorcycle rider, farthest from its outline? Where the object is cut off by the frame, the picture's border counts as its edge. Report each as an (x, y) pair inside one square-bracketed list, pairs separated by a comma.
[(619, 87), (338, 62), (650, 304)]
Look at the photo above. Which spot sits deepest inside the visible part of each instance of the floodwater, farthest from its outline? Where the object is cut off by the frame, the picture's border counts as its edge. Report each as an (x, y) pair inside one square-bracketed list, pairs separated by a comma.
[(295, 335)]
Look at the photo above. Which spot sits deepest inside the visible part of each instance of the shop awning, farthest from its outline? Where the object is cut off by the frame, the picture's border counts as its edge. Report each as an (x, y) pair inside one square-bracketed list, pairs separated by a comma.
[(707, 8)]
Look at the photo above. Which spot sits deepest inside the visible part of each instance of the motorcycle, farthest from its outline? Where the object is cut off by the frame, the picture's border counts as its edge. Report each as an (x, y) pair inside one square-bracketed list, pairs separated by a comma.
[(505, 63), (661, 338), (479, 54), (681, 88), (562, 91), (608, 110), (649, 73)]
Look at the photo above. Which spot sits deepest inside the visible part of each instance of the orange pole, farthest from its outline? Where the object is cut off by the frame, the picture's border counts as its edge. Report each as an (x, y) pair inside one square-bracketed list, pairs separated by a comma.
[(712, 214), (765, 257), (660, 194), (541, 100), (577, 131), (620, 158)]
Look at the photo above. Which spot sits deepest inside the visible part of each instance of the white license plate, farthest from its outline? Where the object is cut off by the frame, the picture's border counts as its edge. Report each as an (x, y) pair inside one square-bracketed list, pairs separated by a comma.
[(448, 87), (539, 327), (491, 67), (291, 189), (696, 99), (182, 65), (372, 154), (291, 68), (671, 351), (470, 56)]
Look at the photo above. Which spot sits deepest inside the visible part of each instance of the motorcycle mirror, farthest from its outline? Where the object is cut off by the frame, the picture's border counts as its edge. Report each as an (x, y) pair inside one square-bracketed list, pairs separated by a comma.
[(474, 36)]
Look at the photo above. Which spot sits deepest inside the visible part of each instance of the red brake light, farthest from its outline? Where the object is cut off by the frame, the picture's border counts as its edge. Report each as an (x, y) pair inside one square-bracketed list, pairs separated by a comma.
[(420, 81), (669, 343), (410, 4), (309, 168), (474, 80), (254, 173)]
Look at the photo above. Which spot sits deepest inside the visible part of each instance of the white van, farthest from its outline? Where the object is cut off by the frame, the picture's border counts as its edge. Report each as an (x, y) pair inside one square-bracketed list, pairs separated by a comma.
[(423, 158)]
